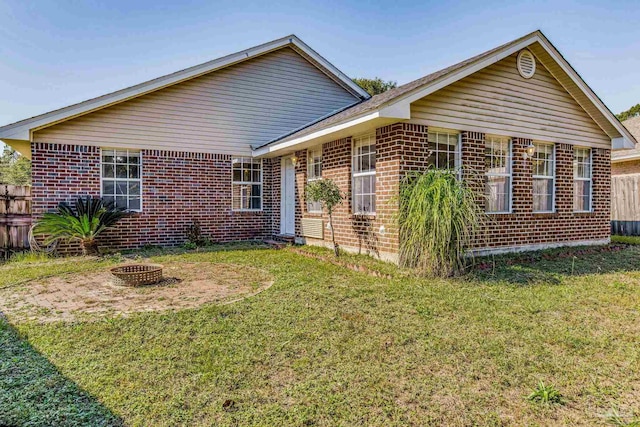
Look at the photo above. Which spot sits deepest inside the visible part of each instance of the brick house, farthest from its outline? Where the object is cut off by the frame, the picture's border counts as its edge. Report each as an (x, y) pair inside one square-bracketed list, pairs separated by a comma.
[(234, 141), (625, 162)]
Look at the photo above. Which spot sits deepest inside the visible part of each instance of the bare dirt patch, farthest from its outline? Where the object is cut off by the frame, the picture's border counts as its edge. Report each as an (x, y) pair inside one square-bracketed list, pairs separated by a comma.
[(96, 294)]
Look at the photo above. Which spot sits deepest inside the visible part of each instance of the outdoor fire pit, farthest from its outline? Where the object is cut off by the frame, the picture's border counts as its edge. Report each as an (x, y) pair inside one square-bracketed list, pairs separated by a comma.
[(137, 274)]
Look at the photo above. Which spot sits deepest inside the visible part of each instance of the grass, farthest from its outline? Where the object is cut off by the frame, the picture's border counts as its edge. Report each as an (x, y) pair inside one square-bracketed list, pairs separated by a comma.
[(326, 345), (628, 240)]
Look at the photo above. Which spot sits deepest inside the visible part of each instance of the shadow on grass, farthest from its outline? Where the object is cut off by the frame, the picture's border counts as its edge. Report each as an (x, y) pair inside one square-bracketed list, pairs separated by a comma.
[(553, 265), (33, 392)]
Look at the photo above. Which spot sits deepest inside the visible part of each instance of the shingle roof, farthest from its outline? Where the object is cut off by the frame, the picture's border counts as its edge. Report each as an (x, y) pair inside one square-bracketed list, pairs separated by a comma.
[(376, 101), (633, 125)]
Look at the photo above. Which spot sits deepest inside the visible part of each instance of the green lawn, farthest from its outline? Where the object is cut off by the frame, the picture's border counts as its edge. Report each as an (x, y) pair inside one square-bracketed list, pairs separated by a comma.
[(326, 345)]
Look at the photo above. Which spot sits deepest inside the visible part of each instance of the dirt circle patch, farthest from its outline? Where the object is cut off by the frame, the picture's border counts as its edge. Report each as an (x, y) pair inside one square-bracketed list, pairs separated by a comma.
[(91, 295)]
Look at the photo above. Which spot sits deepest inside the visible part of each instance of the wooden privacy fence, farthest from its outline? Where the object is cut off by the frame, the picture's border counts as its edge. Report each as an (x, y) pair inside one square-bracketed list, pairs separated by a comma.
[(625, 205), (15, 218)]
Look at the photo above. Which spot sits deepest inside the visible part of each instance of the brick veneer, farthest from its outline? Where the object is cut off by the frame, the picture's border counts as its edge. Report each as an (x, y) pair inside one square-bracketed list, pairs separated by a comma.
[(625, 168), (522, 226), (178, 187), (402, 148)]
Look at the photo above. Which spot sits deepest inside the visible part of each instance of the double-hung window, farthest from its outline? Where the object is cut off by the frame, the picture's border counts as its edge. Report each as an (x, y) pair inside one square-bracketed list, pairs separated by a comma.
[(246, 186), (364, 175), (543, 177), (444, 150), (497, 158), (314, 172), (581, 179), (121, 182)]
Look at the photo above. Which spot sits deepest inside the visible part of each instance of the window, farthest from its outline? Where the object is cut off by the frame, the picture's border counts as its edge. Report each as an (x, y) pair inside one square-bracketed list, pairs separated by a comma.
[(581, 179), (364, 175), (121, 178), (444, 150), (246, 191), (543, 177), (314, 172), (497, 159)]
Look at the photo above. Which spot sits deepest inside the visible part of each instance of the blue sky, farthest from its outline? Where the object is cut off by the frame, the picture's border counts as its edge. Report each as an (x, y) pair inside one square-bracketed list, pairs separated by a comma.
[(53, 54)]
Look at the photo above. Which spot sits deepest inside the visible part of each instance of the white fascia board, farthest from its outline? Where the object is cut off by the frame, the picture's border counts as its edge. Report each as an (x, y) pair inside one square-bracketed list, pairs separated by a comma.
[(22, 130), (462, 73), (314, 135)]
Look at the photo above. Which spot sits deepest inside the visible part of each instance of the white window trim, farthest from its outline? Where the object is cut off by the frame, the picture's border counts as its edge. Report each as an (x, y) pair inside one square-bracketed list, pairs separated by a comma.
[(590, 179), (509, 175), (458, 150), (552, 178), (242, 158), (355, 175), (315, 178), (139, 180)]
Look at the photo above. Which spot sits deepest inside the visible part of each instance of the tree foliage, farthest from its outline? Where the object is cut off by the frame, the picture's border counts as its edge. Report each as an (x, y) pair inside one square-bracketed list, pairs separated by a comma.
[(376, 85), (437, 219), (329, 195), (631, 112), (14, 168), (83, 222)]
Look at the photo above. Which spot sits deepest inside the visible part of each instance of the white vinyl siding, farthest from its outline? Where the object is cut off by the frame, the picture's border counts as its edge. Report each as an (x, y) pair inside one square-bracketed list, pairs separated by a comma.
[(121, 178), (314, 172), (582, 179), (544, 171), (498, 170), (497, 100), (224, 111), (246, 185), (444, 150), (364, 175)]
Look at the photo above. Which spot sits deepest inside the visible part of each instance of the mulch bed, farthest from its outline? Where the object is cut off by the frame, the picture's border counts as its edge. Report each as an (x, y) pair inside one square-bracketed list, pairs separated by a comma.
[(486, 263)]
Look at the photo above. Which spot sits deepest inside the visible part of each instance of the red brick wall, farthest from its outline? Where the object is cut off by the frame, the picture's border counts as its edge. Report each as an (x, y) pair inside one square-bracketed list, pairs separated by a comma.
[(178, 187), (625, 168), (400, 148), (522, 226)]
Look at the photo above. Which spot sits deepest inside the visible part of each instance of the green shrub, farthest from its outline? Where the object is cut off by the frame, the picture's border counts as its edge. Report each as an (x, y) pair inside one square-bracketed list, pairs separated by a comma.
[(438, 216)]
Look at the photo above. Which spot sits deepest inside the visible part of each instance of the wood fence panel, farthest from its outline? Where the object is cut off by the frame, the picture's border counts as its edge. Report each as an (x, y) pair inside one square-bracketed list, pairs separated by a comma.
[(625, 197), (15, 217)]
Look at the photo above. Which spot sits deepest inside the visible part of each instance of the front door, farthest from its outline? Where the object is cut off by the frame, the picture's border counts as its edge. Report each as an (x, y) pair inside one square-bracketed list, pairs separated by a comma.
[(288, 198)]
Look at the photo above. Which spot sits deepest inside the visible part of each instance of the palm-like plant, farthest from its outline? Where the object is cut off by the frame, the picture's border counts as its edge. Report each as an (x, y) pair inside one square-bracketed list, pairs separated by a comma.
[(83, 222)]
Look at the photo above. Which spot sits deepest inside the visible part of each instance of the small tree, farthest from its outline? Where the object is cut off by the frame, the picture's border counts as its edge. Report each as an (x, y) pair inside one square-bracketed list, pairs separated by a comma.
[(329, 195), (83, 222)]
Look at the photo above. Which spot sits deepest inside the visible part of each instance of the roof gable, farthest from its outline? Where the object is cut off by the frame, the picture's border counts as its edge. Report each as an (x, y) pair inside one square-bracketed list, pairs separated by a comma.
[(396, 103), (22, 130), (224, 111), (497, 100)]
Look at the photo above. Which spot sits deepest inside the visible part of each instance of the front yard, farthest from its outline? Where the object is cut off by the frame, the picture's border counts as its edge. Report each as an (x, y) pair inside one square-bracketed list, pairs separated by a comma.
[(327, 345)]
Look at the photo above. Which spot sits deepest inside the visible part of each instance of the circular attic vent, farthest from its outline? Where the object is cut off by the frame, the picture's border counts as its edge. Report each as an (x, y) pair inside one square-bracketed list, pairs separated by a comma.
[(526, 64)]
